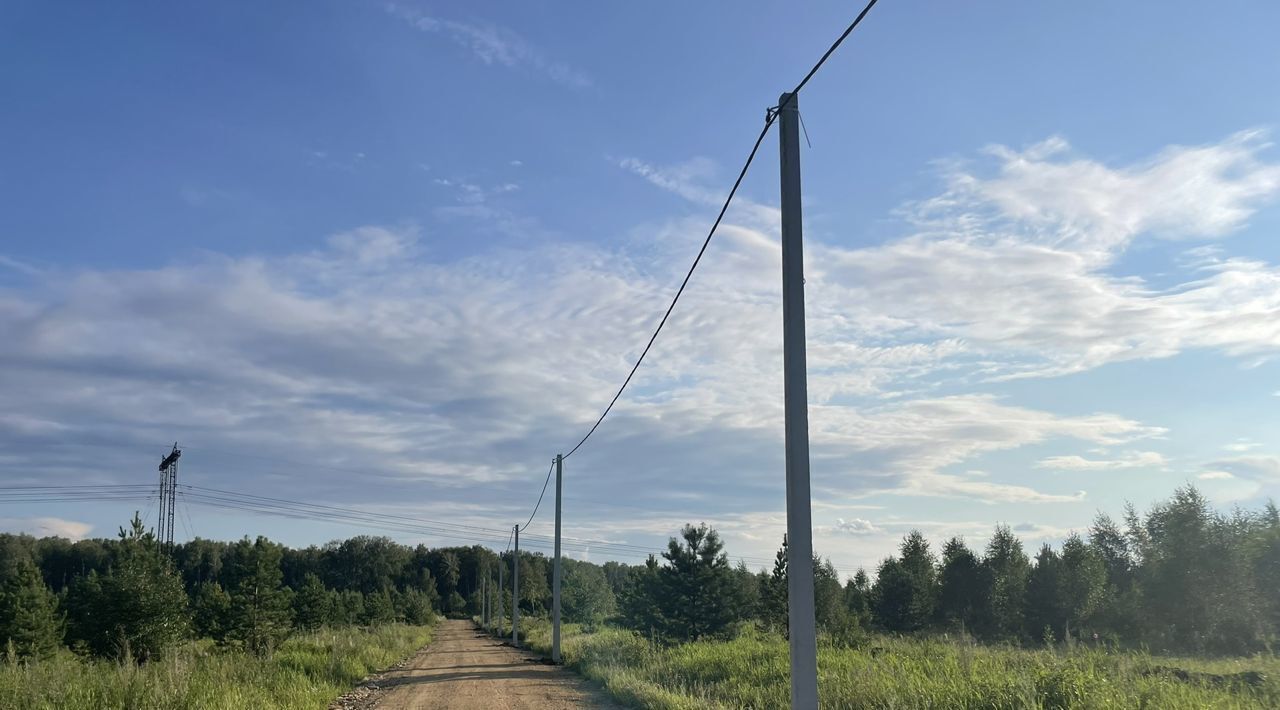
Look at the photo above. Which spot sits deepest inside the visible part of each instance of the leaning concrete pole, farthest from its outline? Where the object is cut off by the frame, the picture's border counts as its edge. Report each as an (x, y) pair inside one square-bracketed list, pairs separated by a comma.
[(555, 581), (800, 606)]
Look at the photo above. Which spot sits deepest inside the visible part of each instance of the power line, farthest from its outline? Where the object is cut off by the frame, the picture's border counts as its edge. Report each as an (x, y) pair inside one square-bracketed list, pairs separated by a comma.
[(540, 495), (231, 504), (277, 459), (323, 512), (360, 518), (285, 501), (770, 117), (834, 46), (702, 250), (326, 512)]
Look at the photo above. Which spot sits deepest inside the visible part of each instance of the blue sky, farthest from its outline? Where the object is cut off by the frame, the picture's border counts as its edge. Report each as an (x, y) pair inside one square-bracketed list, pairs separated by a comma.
[(399, 254)]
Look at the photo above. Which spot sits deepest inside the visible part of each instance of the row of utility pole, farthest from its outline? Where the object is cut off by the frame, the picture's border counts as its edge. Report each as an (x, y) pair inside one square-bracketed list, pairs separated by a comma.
[(801, 621), (515, 579)]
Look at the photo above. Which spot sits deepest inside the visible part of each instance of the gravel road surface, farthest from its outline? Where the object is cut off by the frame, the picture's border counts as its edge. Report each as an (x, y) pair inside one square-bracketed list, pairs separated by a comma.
[(466, 668)]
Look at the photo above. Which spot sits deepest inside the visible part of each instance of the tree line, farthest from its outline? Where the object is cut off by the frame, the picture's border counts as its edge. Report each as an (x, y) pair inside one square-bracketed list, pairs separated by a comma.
[(1181, 578)]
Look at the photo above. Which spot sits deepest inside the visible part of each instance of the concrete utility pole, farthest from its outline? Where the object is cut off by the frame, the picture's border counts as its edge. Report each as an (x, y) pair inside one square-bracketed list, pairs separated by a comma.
[(501, 614), (484, 600), (555, 577), (801, 624), (515, 592)]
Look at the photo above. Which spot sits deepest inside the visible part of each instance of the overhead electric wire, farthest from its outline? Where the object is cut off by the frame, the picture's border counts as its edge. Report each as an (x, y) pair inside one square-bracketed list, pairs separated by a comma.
[(75, 493), (263, 504), (77, 486), (702, 250), (268, 499), (229, 504), (540, 495), (368, 520), (770, 117), (269, 505), (332, 512), (834, 46)]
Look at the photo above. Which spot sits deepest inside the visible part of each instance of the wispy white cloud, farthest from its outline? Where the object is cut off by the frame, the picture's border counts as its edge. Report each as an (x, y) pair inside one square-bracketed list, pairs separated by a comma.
[(1241, 445), (1085, 206), (1132, 459), (368, 353), (1017, 265), (21, 267), (686, 179), (493, 44)]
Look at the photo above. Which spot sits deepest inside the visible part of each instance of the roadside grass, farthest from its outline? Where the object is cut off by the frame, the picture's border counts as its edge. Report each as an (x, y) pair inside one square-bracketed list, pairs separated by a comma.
[(751, 671), (308, 671)]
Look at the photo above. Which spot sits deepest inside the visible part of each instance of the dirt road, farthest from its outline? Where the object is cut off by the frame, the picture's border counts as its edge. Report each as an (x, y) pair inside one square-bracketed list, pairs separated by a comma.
[(466, 668)]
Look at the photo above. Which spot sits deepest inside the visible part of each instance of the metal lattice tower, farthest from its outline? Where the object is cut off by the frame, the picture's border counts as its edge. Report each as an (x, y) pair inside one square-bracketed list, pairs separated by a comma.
[(168, 497)]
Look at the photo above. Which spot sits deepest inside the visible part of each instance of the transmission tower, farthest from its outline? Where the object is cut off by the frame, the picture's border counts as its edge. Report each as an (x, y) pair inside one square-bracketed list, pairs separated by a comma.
[(168, 496)]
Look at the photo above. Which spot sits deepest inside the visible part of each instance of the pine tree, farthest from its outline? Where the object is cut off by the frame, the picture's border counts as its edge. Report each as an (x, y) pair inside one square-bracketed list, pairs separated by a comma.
[(311, 604), (211, 611), (138, 608), (379, 608), (347, 608), (260, 607), (695, 582), (414, 607), (29, 620), (745, 601), (773, 593), (638, 603)]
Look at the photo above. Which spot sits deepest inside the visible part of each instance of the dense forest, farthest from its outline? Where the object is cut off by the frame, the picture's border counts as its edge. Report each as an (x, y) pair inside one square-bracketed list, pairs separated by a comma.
[(1181, 578)]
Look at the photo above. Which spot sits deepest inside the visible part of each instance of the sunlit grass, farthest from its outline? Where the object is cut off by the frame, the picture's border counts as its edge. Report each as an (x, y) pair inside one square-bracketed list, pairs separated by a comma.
[(751, 671), (308, 671)]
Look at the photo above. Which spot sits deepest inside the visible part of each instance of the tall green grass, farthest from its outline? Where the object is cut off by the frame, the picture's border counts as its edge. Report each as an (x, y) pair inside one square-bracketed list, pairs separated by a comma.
[(308, 671), (751, 671)]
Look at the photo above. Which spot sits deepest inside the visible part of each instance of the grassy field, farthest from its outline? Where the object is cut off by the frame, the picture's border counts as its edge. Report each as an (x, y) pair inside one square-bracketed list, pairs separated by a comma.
[(751, 672), (309, 671)]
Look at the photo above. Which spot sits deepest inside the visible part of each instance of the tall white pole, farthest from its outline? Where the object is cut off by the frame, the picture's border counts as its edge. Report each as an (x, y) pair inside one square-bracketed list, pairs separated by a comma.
[(555, 579), (801, 624), (515, 592), (501, 591)]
